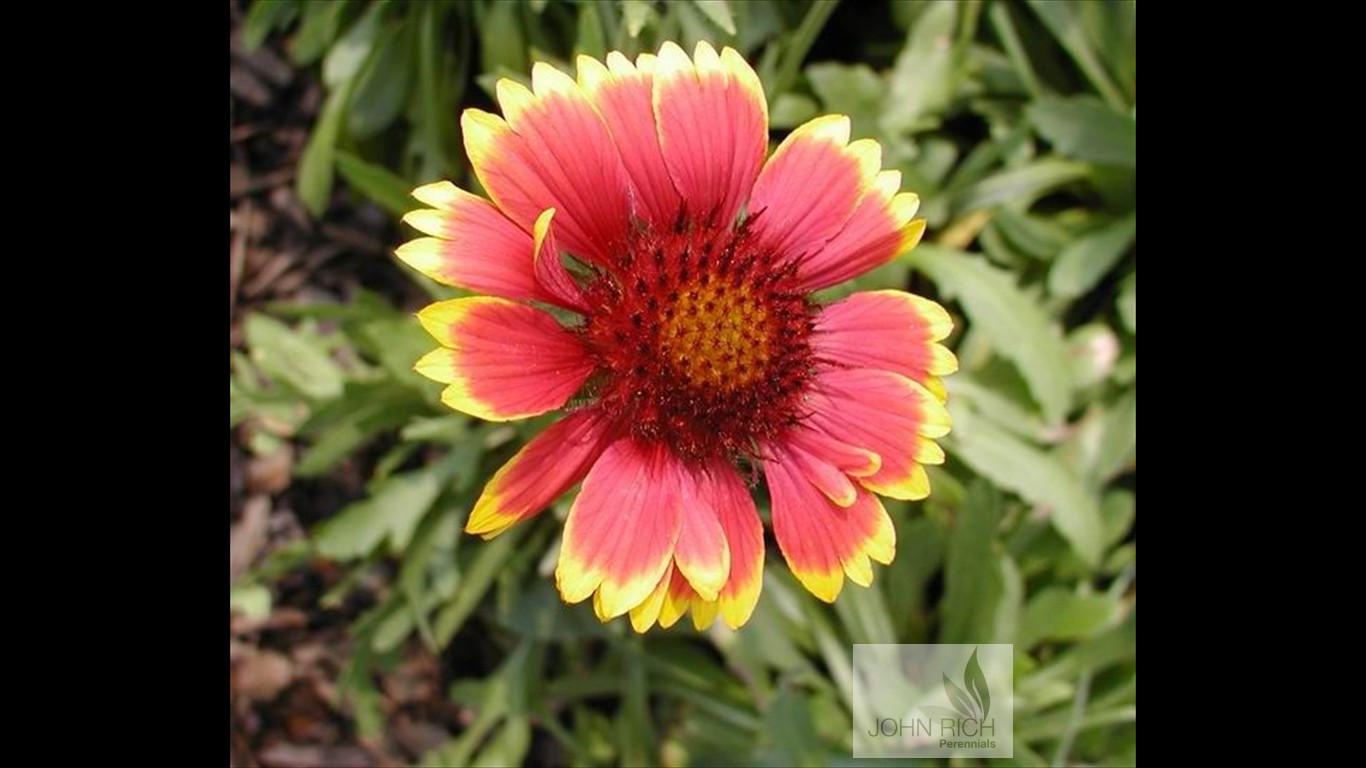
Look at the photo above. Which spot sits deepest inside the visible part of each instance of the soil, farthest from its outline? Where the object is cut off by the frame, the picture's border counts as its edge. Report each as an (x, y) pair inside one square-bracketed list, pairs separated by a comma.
[(285, 710)]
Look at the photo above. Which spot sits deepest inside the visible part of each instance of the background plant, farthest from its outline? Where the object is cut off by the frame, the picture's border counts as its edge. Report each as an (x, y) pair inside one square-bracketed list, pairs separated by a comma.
[(1016, 124)]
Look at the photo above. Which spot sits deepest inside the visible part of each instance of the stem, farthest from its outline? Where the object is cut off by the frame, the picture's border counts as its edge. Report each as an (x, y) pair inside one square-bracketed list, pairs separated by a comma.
[(802, 40), (1074, 722)]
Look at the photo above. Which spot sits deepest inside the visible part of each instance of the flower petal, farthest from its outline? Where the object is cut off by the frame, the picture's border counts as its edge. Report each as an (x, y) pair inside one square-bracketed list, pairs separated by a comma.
[(679, 598), (621, 92), (712, 120), (744, 538), (887, 330), (811, 186), (852, 461), (645, 615), (552, 151), (702, 555), (550, 271), (474, 246), (885, 413), (547, 466), (821, 541), (881, 227), (826, 476), (502, 360), (621, 531), (799, 514), (703, 613)]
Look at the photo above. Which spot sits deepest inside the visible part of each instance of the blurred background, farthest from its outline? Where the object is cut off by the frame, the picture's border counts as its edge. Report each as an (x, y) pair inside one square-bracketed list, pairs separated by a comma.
[(367, 630)]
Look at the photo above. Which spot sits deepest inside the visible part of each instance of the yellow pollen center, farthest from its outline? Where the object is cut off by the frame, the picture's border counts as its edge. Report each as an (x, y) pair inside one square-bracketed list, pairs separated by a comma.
[(716, 336)]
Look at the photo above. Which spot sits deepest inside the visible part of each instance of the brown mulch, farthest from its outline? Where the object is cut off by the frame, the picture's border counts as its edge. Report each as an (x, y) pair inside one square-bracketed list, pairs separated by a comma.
[(284, 706)]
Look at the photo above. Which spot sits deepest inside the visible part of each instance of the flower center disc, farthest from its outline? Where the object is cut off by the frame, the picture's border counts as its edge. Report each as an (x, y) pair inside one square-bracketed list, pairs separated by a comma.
[(699, 341), (717, 336)]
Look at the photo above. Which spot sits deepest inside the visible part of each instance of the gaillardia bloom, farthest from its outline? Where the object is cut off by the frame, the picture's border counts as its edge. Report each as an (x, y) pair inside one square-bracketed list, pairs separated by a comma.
[(636, 199)]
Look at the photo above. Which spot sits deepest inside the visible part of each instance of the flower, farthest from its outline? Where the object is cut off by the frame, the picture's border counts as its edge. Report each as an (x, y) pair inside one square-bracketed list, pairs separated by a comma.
[(697, 358)]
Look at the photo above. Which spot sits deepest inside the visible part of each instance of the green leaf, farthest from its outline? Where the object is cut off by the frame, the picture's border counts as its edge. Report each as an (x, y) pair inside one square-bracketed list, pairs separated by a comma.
[(345, 59), (1059, 614), (719, 13), (789, 728), (438, 89), (1024, 184), (995, 400), (502, 40), (489, 560), (1117, 509), (791, 110), (865, 616), (591, 40), (263, 17), (392, 631), (922, 82), (976, 682), (636, 732), (999, 15), (382, 84), (392, 512), (292, 359), (1086, 129), (364, 410), (376, 182), (250, 600), (791, 56), (314, 184), (1036, 476), (1119, 438), (636, 13), (850, 89), (1109, 646), (1017, 326), (1065, 21), (973, 583), (1112, 27), (321, 22), (1040, 238), (920, 553), (1128, 301)]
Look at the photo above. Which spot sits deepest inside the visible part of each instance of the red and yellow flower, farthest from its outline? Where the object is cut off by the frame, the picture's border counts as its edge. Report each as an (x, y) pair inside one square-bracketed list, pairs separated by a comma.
[(637, 199)]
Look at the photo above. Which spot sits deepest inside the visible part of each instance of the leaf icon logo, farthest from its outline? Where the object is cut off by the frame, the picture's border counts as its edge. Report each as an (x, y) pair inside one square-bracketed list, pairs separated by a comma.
[(960, 700), (976, 683), (975, 702)]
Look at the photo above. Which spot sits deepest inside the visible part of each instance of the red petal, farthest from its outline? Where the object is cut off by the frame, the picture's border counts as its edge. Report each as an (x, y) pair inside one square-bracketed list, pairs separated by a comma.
[(881, 227), (811, 186), (702, 555), (882, 412), (621, 531), (502, 360), (713, 126), (550, 270), (745, 538), (888, 330), (621, 92), (474, 245), (821, 541), (553, 151), (550, 464)]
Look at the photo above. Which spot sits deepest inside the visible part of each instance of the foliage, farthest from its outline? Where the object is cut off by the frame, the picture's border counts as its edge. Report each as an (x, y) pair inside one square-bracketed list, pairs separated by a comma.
[(1016, 125)]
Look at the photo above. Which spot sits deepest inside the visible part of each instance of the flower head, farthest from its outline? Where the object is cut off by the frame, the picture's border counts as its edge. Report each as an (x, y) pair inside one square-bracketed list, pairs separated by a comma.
[(637, 199)]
